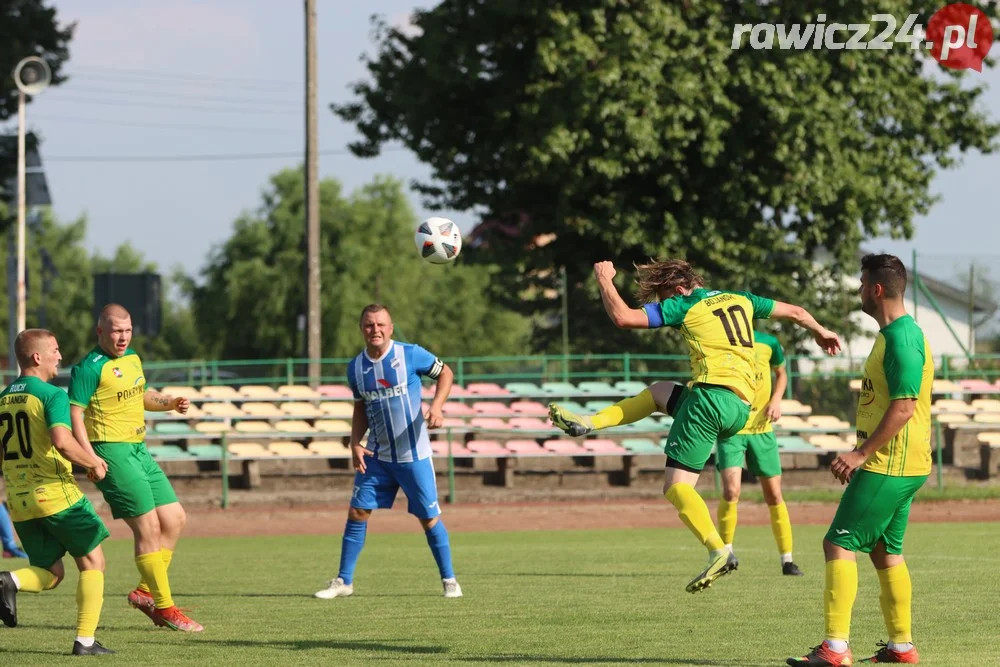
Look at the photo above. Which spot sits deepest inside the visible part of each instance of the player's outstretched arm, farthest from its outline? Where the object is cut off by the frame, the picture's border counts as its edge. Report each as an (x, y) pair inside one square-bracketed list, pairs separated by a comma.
[(154, 401), (619, 312), (826, 339), (73, 451)]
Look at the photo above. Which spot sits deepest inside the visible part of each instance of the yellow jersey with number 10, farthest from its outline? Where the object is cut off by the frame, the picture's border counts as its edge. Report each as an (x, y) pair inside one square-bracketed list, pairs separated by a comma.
[(718, 328)]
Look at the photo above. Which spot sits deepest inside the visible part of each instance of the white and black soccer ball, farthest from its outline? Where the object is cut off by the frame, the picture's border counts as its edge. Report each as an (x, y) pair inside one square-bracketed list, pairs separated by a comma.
[(438, 240)]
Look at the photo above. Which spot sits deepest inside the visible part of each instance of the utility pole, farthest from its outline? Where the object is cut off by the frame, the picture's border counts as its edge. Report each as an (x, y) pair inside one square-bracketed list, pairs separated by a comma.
[(312, 203)]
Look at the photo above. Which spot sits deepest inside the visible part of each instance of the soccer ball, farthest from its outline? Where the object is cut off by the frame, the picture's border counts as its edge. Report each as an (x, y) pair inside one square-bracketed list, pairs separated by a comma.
[(438, 240)]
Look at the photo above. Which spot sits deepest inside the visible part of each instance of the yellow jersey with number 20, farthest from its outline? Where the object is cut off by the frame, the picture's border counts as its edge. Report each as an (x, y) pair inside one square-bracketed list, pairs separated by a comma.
[(39, 479)]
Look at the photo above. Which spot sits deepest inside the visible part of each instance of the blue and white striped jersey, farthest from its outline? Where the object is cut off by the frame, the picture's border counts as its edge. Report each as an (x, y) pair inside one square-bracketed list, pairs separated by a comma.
[(390, 388)]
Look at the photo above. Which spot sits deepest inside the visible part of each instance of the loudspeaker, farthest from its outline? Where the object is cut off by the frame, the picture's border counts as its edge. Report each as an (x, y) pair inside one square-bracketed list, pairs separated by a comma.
[(138, 293)]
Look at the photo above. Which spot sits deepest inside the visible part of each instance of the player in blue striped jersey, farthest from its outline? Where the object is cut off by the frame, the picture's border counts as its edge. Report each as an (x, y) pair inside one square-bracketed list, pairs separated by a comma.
[(385, 379)]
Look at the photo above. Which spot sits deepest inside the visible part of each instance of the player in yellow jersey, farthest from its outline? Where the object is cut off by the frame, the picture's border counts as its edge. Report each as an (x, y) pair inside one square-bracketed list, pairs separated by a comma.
[(758, 446), (109, 399), (51, 514), (891, 462), (715, 404)]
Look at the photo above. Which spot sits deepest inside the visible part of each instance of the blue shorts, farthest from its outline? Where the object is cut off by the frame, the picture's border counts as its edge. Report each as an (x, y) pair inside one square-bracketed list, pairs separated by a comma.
[(377, 487)]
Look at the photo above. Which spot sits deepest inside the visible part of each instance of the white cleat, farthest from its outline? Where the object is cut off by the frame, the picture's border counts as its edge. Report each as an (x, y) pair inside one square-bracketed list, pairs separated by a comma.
[(451, 588), (336, 588)]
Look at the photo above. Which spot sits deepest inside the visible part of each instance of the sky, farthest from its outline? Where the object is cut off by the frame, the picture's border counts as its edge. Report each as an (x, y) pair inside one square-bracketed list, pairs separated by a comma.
[(139, 65)]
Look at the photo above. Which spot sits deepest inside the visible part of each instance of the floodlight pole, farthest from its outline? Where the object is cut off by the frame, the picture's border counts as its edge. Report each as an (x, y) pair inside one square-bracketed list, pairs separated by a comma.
[(313, 347), (21, 206)]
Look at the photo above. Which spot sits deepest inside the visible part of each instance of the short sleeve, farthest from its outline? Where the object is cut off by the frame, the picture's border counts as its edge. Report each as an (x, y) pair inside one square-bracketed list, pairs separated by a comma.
[(57, 409), (351, 382), (667, 313), (425, 363), (904, 369), (777, 353), (83, 381), (762, 306)]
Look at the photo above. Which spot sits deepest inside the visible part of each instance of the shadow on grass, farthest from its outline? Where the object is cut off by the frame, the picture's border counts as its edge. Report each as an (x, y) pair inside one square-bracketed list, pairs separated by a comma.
[(312, 644), (182, 596), (569, 575), (28, 651), (566, 660)]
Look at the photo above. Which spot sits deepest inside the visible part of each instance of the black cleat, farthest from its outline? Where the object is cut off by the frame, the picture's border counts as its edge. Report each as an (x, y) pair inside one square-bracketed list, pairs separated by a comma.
[(723, 564), (8, 600), (791, 570), (568, 422), (93, 649)]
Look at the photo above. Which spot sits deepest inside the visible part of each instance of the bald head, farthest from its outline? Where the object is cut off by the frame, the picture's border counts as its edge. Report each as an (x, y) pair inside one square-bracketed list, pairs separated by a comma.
[(114, 330), (37, 353), (113, 311)]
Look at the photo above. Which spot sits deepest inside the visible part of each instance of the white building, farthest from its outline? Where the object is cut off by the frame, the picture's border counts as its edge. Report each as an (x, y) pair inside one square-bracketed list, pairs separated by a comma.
[(946, 327)]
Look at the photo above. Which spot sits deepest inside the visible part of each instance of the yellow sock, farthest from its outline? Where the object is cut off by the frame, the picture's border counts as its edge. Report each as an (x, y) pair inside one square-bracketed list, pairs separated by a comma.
[(89, 600), (168, 556), (695, 515), (897, 593), (727, 520), (34, 579), (838, 597), (781, 526), (626, 411), (154, 573)]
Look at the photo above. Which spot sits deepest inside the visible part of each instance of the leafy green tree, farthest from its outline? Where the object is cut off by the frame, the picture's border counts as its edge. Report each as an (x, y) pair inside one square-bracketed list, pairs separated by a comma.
[(27, 28), (628, 130), (253, 290)]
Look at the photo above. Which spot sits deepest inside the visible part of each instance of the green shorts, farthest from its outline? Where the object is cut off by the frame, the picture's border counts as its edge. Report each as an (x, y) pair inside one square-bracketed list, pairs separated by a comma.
[(874, 507), (135, 484), (759, 449), (76, 529), (703, 415)]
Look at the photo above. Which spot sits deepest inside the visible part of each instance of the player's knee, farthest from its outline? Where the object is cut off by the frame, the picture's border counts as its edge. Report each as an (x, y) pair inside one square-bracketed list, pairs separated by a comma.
[(179, 517), (661, 392), (428, 523), (357, 514), (732, 496), (58, 571), (772, 494)]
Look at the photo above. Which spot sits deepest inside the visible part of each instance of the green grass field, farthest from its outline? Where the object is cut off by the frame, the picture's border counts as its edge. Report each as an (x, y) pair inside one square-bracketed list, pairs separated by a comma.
[(587, 597)]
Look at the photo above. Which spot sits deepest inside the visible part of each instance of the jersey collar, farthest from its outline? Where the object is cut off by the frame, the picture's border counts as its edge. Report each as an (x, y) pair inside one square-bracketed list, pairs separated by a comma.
[(392, 344)]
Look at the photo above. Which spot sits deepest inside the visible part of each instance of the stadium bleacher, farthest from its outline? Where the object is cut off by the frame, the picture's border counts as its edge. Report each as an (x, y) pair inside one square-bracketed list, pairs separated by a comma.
[(483, 420), (489, 424)]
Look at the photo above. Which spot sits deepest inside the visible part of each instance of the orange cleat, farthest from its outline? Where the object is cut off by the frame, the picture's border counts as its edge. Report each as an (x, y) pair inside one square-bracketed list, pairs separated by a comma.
[(174, 618), (823, 656), (143, 601)]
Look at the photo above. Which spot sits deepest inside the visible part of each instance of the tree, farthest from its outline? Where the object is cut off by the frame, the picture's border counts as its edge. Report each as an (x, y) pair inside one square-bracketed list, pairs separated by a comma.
[(623, 130), (61, 291), (27, 28), (253, 288)]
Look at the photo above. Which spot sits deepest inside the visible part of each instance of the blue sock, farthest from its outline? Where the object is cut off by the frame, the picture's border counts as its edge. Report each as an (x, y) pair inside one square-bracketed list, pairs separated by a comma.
[(437, 539), (7, 530), (350, 548)]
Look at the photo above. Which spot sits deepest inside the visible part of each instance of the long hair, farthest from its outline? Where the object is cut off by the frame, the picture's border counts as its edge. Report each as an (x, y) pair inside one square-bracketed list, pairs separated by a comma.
[(652, 278)]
